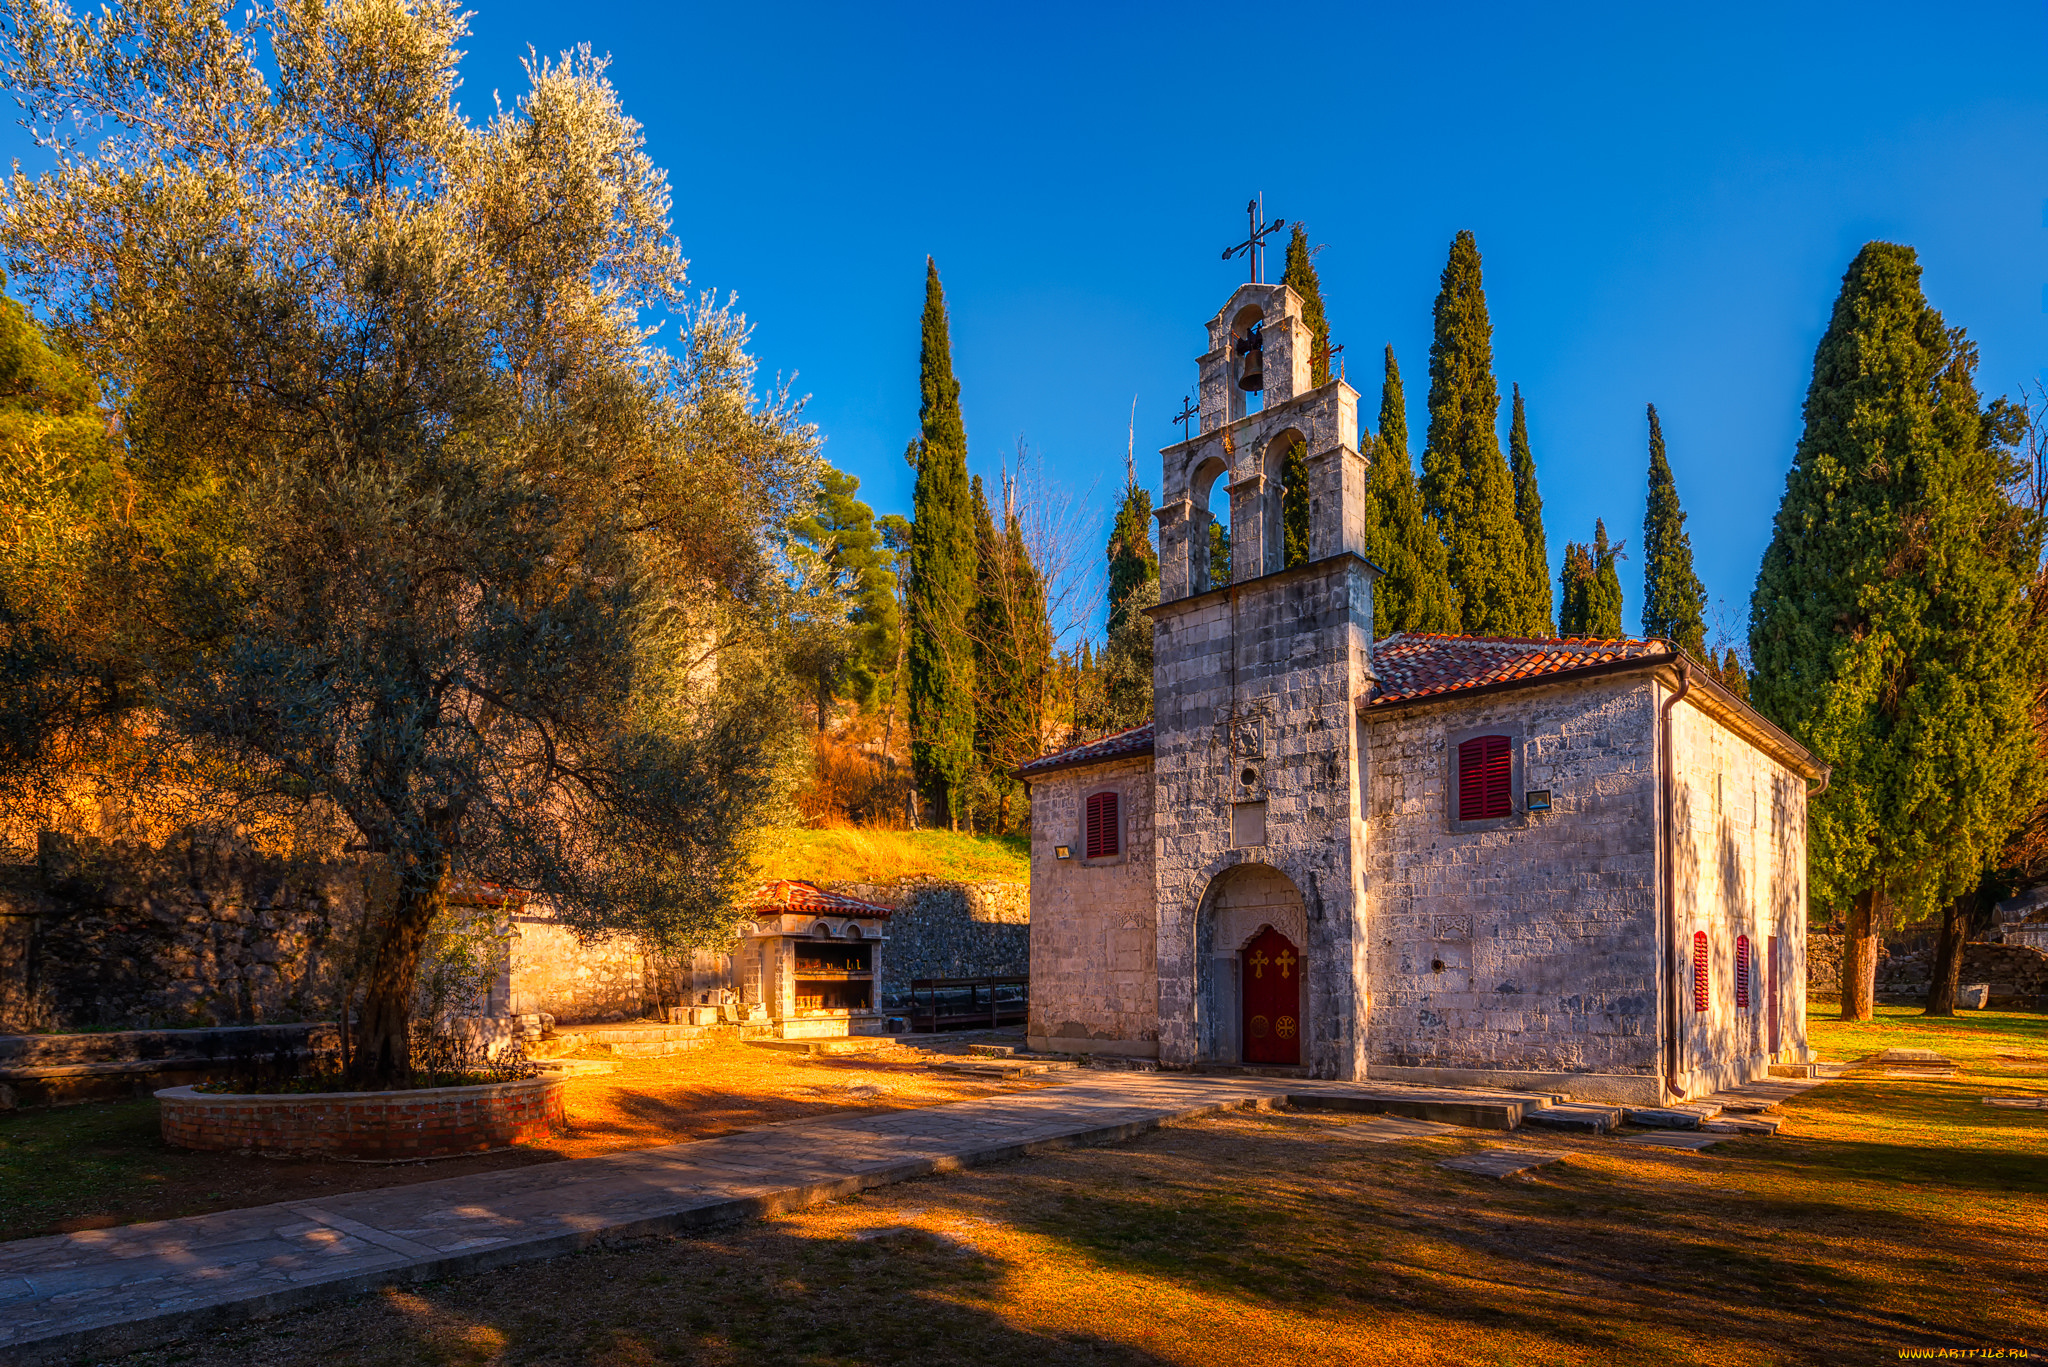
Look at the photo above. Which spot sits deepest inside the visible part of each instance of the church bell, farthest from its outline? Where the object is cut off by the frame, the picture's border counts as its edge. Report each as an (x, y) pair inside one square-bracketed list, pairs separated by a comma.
[(1253, 378)]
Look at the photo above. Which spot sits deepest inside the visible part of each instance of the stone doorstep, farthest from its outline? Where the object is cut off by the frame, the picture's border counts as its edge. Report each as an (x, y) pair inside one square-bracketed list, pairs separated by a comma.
[(1795, 1070), (831, 1044)]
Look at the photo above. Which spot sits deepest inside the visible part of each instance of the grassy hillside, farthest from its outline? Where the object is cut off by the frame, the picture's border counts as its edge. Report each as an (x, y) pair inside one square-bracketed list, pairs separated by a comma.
[(848, 855)]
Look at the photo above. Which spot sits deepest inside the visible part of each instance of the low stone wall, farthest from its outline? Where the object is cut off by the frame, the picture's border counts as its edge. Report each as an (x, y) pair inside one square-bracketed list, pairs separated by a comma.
[(1824, 964), (2017, 974), (432, 1122), (99, 934), (949, 930)]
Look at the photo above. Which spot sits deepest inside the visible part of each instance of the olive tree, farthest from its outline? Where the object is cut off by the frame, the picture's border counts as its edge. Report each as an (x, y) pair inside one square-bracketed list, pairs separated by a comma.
[(424, 536)]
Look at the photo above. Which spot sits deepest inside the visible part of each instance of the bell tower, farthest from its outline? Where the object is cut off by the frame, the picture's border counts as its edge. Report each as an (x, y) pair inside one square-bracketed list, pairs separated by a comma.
[(1258, 763)]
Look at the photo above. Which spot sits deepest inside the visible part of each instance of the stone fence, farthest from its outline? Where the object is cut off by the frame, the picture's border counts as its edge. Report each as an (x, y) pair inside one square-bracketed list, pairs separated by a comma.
[(2017, 975)]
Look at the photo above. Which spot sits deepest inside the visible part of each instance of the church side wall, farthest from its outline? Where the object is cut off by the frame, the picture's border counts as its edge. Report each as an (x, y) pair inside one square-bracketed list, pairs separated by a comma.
[(1740, 819), (1094, 965), (1522, 951)]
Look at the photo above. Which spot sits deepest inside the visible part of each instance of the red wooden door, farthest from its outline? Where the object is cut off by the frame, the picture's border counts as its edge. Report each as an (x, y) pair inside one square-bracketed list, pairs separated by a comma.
[(1771, 993), (1272, 999)]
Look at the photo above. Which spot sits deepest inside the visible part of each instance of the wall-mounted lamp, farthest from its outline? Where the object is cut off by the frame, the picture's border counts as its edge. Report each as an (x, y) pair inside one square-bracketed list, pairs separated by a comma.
[(1536, 800), (1063, 851)]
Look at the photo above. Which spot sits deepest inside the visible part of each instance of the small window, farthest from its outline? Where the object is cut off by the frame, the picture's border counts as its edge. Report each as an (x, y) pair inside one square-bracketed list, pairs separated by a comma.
[(1485, 771), (1103, 833), (1699, 970), (1742, 973)]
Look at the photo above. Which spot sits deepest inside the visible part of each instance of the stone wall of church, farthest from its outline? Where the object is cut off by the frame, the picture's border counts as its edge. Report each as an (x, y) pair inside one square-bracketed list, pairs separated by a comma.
[(1522, 949), (1741, 866), (1094, 966)]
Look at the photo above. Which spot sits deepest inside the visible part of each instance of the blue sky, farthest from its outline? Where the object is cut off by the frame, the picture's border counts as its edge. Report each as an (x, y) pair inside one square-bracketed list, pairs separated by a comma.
[(1665, 199)]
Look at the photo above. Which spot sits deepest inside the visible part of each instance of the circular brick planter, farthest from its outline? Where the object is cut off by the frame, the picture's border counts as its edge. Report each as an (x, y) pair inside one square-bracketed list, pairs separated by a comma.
[(431, 1122)]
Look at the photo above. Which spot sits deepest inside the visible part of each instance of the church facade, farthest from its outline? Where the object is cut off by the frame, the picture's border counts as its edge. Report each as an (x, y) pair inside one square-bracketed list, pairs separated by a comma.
[(1566, 864)]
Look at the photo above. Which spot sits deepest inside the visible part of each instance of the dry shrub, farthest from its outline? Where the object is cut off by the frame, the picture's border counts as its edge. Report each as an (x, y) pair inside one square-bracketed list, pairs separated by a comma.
[(852, 782)]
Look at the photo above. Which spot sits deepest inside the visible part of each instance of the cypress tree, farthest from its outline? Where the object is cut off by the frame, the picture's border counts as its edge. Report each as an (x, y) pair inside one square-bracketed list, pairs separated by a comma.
[(1592, 587), (1888, 631), (1414, 593), (1012, 653), (1133, 562), (1529, 512), (1674, 600), (1133, 586), (1466, 490), (943, 565), (1300, 276), (1733, 677), (1219, 555)]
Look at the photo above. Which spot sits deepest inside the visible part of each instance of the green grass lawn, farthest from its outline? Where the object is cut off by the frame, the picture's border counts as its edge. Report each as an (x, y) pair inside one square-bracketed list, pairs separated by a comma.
[(850, 855)]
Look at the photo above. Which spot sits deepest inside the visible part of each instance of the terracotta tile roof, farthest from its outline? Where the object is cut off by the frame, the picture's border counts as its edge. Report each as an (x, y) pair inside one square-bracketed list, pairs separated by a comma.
[(1123, 745), (795, 895), (1415, 665)]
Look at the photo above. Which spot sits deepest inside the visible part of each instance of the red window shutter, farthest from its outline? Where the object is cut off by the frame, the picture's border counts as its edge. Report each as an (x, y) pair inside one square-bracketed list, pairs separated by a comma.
[(1742, 972), (1699, 970), (1102, 826), (1486, 769)]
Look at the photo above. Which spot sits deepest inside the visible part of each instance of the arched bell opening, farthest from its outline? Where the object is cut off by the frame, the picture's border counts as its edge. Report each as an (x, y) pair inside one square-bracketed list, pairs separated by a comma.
[(1251, 965), (1209, 538), (1286, 501), (1247, 361)]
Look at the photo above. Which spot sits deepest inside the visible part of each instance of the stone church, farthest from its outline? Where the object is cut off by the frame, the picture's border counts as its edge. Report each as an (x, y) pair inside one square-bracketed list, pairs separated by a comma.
[(1566, 864)]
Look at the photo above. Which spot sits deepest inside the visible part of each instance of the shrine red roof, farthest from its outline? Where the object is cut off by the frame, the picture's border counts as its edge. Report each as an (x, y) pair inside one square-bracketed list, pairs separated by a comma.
[(795, 895), (1415, 665), (1123, 745)]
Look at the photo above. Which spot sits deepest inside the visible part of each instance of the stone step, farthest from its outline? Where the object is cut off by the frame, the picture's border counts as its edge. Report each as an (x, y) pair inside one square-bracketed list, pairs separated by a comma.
[(1795, 1070), (1748, 1124), (1686, 1115), (1582, 1117), (992, 1050), (1001, 1068), (833, 1044), (1475, 1110), (648, 1048)]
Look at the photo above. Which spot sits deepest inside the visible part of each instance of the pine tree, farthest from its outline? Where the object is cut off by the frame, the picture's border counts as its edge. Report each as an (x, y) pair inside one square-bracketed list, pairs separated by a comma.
[(1529, 512), (1219, 555), (1466, 488), (1414, 591), (1592, 587), (943, 564), (842, 530), (1674, 599), (1887, 630), (1300, 276)]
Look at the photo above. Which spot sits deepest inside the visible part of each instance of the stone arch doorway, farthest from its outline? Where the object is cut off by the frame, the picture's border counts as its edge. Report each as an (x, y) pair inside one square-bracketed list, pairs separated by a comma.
[(1248, 909)]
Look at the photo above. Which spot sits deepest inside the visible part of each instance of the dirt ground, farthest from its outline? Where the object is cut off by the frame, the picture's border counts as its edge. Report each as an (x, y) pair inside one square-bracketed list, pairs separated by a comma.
[(1891, 1217), (104, 1164)]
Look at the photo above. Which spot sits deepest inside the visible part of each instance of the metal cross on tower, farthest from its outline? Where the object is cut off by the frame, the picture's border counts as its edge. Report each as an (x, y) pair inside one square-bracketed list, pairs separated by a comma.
[(1254, 246), (1188, 412)]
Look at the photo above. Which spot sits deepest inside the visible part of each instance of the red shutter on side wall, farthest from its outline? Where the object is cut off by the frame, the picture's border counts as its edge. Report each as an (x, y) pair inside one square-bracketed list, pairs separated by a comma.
[(1742, 972), (1485, 771), (1102, 825), (1699, 970)]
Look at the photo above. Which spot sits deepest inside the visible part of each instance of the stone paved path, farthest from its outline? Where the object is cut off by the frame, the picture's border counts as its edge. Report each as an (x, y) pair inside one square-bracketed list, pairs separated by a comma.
[(110, 1290)]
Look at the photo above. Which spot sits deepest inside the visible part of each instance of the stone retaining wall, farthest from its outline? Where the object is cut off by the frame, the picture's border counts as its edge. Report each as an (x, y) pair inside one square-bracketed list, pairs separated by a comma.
[(949, 930), (431, 1122), (100, 934)]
